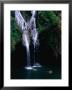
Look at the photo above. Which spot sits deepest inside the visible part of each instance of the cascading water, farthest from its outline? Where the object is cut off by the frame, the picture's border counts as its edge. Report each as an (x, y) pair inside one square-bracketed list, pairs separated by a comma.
[(26, 43), (25, 26), (34, 34), (25, 37)]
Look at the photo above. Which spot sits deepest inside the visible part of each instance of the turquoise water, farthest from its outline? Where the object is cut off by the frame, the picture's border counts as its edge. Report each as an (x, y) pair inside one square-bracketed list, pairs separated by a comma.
[(43, 72)]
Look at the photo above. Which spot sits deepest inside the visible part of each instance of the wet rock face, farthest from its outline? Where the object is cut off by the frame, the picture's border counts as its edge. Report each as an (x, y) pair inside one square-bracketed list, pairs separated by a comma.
[(46, 53)]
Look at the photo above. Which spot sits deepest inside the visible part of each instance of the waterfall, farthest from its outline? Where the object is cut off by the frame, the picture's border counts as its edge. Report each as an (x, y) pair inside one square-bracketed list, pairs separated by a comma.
[(34, 34), (25, 27), (25, 37)]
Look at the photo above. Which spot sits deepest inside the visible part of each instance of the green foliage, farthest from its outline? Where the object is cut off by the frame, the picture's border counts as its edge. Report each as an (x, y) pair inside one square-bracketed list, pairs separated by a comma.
[(50, 21), (47, 19), (15, 33)]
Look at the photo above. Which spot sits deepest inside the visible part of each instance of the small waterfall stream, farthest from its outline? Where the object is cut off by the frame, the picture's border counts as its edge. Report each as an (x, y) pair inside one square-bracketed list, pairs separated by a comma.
[(34, 33), (28, 51)]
